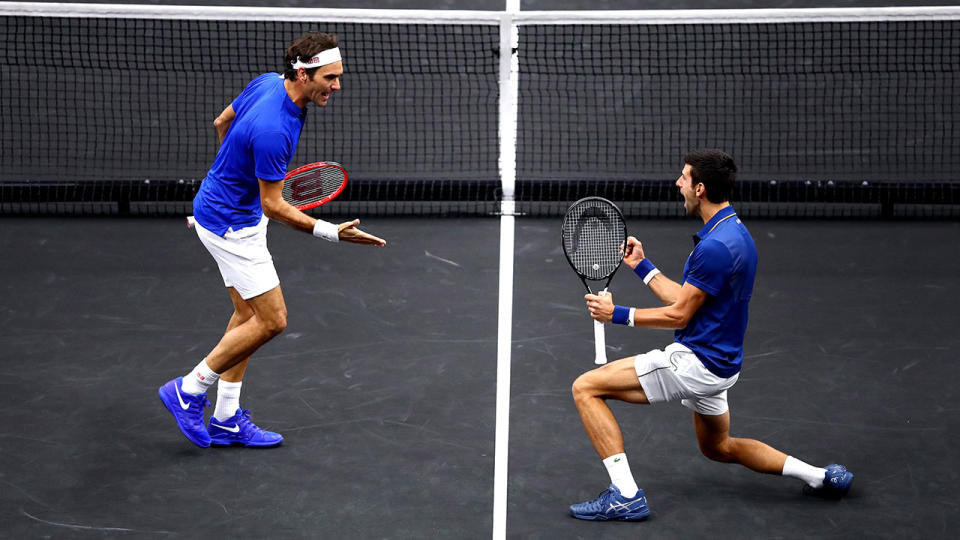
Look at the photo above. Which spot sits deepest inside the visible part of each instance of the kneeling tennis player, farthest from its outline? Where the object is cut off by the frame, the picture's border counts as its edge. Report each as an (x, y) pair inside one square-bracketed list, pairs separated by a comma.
[(709, 313)]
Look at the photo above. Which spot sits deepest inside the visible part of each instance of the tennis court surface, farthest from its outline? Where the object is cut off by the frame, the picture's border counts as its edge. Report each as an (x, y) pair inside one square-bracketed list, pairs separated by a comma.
[(423, 388)]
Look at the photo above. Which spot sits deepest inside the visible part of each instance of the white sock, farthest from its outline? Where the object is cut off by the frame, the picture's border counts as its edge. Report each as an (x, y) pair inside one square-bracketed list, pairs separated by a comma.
[(795, 468), (198, 380), (228, 399), (620, 475)]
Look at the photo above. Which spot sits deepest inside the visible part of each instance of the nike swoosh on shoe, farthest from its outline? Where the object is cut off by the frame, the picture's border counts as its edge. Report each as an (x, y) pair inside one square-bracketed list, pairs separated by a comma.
[(183, 405)]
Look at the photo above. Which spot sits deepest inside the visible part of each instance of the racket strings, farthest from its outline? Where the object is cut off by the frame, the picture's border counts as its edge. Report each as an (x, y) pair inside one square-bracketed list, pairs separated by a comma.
[(592, 234), (312, 186)]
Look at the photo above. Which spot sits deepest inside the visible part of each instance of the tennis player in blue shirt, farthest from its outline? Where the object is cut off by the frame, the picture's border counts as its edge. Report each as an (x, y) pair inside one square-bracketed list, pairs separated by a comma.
[(258, 133), (708, 310)]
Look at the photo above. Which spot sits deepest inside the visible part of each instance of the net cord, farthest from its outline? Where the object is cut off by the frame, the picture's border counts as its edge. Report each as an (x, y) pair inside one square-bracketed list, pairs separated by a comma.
[(421, 16), (246, 13)]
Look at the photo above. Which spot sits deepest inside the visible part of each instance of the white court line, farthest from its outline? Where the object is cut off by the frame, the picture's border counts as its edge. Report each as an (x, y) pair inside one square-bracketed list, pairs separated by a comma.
[(504, 340)]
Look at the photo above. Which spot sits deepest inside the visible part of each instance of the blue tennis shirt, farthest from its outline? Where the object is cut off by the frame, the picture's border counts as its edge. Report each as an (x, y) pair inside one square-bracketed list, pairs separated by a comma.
[(260, 143), (723, 264)]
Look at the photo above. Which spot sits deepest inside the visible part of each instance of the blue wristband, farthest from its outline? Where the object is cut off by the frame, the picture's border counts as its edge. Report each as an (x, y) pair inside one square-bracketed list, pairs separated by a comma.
[(644, 268), (621, 315)]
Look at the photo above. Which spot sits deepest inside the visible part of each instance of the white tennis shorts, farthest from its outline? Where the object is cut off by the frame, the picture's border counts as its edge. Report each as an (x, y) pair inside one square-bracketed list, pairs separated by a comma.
[(676, 373), (243, 258)]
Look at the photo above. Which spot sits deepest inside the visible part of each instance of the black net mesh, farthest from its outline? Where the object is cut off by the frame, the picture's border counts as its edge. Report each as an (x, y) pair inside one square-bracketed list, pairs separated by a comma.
[(791, 101), (853, 117), (128, 109), (825, 119)]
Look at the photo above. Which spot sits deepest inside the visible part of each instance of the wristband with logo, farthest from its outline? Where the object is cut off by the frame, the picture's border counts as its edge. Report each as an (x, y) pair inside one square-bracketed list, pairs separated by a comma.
[(621, 315), (326, 230)]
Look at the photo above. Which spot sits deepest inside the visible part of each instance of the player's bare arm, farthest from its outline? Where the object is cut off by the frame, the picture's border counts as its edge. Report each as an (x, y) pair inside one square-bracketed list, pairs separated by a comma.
[(222, 122), (665, 288), (277, 209), (674, 316)]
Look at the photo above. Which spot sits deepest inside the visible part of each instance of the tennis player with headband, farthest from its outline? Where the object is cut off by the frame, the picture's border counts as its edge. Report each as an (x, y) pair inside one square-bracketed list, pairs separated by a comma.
[(709, 313), (258, 135)]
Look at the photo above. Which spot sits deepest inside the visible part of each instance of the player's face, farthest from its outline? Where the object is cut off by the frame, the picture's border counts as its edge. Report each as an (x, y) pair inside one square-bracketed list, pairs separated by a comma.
[(690, 201), (324, 83)]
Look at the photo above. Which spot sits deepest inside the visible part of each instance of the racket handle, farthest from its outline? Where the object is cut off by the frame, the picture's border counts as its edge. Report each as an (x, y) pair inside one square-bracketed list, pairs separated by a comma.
[(191, 222), (599, 340), (599, 343)]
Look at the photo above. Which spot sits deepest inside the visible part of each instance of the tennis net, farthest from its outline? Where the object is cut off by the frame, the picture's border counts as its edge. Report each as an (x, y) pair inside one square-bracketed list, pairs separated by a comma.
[(842, 113)]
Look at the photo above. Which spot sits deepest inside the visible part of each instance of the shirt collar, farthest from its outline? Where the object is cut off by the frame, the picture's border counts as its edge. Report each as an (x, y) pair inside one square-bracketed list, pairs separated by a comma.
[(721, 215)]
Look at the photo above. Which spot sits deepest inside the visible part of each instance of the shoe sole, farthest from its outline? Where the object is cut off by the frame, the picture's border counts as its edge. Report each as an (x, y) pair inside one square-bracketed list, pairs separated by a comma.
[(629, 517), (224, 444), (176, 417)]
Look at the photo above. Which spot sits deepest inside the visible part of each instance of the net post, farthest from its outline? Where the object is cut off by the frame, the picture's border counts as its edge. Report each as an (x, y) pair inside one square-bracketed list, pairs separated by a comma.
[(509, 39)]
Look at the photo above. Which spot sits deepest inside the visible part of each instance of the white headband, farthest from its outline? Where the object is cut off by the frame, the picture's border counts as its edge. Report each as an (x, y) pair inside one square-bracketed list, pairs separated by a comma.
[(322, 58)]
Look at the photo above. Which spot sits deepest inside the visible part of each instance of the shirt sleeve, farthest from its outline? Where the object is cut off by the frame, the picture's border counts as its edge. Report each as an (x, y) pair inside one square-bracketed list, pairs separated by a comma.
[(709, 266), (240, 102), (271, 155)]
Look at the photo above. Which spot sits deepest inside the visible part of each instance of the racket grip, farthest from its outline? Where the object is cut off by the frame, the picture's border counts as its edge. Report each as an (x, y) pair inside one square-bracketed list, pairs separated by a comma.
[(191, 222), (599, 343)]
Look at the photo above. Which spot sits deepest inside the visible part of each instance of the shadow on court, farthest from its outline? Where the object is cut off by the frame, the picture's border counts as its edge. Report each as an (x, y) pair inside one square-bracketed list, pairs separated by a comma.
[(850, 356), (383, 384)]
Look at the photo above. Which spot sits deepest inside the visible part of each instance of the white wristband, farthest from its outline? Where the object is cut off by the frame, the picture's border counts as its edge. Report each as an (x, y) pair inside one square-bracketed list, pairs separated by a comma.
[(633, 310), (326, 230), (649, 276)]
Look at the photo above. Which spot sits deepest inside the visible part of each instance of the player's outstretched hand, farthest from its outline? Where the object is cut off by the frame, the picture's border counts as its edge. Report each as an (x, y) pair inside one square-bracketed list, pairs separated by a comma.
[(350, 233), (633, 252), (600, 306)]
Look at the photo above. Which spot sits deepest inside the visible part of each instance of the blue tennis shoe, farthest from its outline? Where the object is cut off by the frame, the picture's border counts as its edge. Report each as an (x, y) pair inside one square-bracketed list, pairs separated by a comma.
[(240, 430), (187, 409), (836, 483), (611, 505)]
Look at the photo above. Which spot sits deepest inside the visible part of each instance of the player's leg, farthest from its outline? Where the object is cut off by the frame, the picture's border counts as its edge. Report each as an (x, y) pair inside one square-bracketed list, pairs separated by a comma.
[(713, 436), (186, 397), (230, 423), (231, 380), (616, 380), (269, 320), (242, 312)]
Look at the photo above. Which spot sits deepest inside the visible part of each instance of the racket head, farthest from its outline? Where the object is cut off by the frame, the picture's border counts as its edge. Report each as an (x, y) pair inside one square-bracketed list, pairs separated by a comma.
[(314, 184), (592, 235)]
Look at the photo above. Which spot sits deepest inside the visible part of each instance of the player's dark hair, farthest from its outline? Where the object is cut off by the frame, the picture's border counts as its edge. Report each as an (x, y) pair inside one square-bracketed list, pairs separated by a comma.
[(304, 47), (714, 169)]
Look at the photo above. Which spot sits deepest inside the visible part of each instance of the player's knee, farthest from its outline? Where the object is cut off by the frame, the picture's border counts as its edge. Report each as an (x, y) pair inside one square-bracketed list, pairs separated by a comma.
[(275, 323), (582, 388)]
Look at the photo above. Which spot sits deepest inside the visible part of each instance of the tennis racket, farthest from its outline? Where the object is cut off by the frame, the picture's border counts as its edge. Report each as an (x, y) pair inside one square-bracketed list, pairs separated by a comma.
[(593, 235), (310, 186)]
